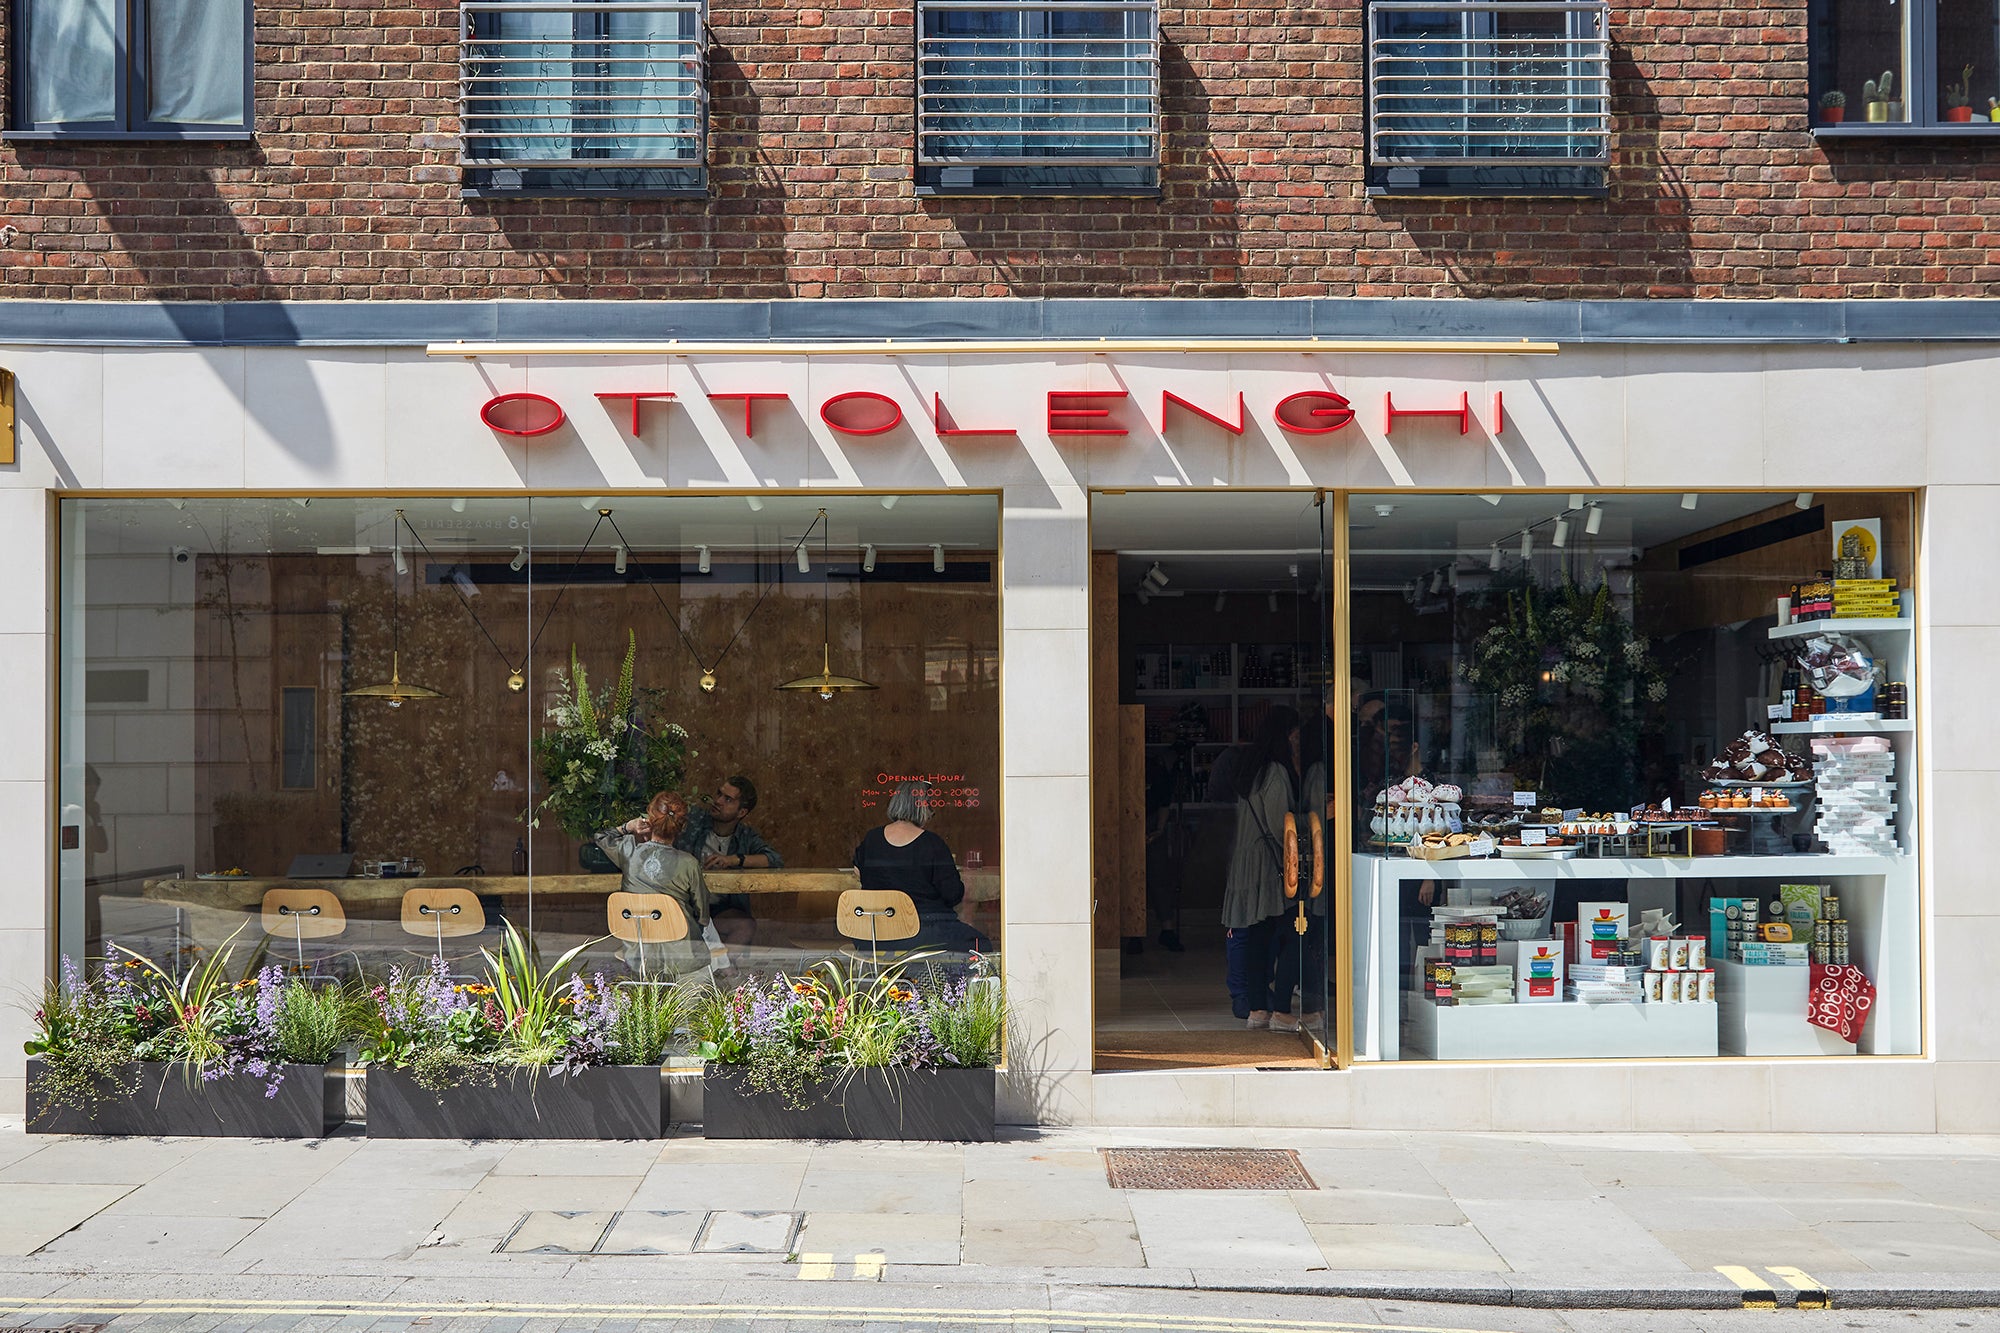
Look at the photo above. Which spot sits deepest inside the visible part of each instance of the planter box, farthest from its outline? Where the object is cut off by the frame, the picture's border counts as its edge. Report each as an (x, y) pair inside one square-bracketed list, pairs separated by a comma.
[(607, 1102), (947, 1104), (309, 1104)]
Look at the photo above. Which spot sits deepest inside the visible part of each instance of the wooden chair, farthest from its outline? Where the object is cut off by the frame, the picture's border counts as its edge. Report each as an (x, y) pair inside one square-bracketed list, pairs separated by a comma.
[(442, 913), (643, 919), (875, 917), (303, 914)]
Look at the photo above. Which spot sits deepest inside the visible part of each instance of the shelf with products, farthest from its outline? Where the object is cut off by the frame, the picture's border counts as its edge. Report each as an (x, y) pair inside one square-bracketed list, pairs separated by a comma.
[(1829, 724), (1233, 685), (1800, 629)]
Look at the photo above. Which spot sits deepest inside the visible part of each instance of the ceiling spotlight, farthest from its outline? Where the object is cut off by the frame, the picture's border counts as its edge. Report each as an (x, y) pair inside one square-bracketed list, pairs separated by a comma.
[(402, 565), (458, 505), (1144, 595), (1805, 500), (701, 562), (1575, 501), (594, 503), (1690, 500), (618, 563), (756, 505), (1493, 500), (520, 559), (1561, 538), (1383, 511), (1271, 600), (1493, 557), (1437, 581), (1219, 600), (889, 501), (1527, 542), (868, 559), (303, 503), (805, 561), (178, 504), (1156, 576), (937, 560), (1593, 520)]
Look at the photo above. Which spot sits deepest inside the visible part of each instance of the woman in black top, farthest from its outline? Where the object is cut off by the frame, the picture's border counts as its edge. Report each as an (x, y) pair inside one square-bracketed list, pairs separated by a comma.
[(904, 856)]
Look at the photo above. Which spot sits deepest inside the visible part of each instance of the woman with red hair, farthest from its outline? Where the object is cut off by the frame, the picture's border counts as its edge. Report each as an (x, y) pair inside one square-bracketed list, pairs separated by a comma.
[(644, 849)]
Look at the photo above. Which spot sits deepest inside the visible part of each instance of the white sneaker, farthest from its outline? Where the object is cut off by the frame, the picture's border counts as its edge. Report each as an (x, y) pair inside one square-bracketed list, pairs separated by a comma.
[(1284, 1023), (1259, 1018)]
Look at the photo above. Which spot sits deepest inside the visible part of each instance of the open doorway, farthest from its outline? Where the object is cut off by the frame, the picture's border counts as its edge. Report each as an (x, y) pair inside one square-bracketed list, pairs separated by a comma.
[(1212, 764)]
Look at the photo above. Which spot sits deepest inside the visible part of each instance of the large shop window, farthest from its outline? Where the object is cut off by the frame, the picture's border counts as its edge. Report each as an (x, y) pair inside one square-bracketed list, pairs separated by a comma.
[(1038, 96), (1634, 775), (1925, 67), (151, 69), (1489, 96), (584, 98), (375, 708)]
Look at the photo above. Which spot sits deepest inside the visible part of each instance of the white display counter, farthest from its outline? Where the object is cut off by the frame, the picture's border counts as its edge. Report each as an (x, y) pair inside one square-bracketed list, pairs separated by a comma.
[(1763, 1012), (1566, 1031)]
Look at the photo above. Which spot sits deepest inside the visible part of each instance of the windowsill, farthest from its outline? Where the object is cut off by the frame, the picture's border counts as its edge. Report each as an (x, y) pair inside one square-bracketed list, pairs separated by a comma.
[(134, 136), (1026, 191), (1472, 192), (474, 193), (1976, 129)]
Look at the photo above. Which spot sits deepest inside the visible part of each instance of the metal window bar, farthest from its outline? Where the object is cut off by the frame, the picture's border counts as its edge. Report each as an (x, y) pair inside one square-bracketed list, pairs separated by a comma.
[(598, 91), (1489, 83), (1012, 83)]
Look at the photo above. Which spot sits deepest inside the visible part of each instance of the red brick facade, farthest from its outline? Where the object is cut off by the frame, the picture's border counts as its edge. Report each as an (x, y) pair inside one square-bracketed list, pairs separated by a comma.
[(350, 190)]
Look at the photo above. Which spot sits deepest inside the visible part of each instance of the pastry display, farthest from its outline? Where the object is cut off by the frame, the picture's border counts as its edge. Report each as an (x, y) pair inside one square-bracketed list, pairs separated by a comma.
[(1755, 757)]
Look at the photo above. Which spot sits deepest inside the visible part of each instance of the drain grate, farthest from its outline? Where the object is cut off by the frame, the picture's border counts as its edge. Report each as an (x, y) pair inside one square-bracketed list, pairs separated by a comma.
[(1205, 1169)]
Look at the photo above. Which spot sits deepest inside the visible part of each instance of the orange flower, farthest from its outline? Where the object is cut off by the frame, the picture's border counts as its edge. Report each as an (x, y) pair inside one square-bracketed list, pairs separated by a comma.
[(801, 988)]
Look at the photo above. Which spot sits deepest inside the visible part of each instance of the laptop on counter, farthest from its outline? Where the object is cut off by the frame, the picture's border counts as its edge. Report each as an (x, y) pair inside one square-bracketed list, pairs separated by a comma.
[(321, 865)]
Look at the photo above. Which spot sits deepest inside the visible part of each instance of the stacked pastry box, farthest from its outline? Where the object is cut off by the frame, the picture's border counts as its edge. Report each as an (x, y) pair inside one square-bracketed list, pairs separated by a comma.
[(1857, 795)]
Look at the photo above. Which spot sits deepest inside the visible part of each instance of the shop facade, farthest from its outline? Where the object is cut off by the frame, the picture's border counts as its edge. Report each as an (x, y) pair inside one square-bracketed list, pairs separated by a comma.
[(995, 486)]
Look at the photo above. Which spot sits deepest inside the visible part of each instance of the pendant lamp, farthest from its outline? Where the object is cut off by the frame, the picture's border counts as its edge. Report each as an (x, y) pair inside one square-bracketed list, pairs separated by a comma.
[(825, 684), (394, 691)]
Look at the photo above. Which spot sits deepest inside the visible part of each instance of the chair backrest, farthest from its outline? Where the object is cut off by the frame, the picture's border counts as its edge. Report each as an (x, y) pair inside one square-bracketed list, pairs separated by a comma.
[(645, 918), (303, 914), (442, 913), (880, 915)]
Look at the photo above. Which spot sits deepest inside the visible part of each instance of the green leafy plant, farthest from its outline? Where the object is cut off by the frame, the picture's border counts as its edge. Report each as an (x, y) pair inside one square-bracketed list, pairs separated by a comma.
[(1832, 100), (604, 755), (1960, 93), (535, 1030), (313, 1022), (648, 1018), (85, 1041), (198, 1020)]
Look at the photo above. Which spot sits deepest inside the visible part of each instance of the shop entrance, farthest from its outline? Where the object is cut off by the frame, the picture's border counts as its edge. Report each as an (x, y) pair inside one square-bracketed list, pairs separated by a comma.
[(1212, 699)]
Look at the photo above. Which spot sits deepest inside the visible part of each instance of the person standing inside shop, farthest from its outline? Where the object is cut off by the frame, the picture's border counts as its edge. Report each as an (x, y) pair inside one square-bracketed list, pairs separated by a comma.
[(720, 840), (644, 850), (1253, 896)]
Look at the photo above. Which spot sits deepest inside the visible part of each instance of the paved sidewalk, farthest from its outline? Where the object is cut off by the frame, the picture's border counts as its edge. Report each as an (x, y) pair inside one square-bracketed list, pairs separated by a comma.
[(1562, 1220)]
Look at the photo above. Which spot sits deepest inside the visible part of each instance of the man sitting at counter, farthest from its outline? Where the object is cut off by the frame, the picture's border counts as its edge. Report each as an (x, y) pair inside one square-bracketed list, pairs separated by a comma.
[(720, 840)]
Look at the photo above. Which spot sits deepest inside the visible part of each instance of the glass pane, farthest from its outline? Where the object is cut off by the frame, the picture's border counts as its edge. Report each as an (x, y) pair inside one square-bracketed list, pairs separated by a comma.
[(1590, 727), (1968, 72), (1868, 60), (71, 64), (194, 66)]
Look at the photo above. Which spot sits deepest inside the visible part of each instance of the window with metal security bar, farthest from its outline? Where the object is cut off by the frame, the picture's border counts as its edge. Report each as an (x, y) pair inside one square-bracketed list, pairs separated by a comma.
[(1489, 96), (1038, 96), (583, 97)]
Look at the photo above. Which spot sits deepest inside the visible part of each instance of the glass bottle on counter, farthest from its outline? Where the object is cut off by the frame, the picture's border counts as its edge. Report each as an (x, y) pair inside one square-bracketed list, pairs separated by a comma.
[(520, 867)]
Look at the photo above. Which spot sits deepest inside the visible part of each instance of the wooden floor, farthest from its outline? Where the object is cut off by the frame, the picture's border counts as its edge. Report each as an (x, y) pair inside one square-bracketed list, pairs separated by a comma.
[(1172, 1011)]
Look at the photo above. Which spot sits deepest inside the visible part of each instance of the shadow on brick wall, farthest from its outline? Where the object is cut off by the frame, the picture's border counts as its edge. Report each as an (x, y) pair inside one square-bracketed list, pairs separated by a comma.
[(1185, 242), (1635, 242)]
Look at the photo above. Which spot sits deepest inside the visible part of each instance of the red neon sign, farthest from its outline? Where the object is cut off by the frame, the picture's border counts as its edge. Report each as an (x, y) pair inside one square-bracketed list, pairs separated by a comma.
[(864, 422), (749, 400), (1234, 428), (1062, 419), (637, 396), (522, 414), (1330, 413)]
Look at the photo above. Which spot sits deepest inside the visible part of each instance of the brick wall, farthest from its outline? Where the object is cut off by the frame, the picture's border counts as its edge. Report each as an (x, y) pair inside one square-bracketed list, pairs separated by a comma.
[(350, 189)]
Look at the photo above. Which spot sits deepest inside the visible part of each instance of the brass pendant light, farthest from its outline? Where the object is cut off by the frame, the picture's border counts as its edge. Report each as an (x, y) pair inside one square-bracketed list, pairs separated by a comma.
[(826, 684), (394, 691)]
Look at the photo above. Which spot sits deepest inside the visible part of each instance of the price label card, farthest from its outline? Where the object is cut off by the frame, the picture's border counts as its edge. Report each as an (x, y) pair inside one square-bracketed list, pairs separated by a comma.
[(1534, 837), (1482, 846), (1524, 800), (1778, 712), (1572, 816)]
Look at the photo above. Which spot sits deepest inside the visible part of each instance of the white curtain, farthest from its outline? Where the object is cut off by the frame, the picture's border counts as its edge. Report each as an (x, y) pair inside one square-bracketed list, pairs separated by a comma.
[(195, 62), (72, 61)]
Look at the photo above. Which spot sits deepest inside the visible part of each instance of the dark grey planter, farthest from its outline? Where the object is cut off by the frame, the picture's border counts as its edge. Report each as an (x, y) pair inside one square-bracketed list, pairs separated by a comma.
[(606, 1102), (944, 1104), (309, 1104)]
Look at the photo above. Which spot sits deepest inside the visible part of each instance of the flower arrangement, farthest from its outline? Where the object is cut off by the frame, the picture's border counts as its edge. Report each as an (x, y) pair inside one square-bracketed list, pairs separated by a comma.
[(794, 1035), (603, 757), (523, 1016), (93, 1033), (1572, 680)]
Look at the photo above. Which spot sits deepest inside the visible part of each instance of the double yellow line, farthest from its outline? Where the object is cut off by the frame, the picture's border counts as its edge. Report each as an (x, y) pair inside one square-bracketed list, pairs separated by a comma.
[(1761, 1295)]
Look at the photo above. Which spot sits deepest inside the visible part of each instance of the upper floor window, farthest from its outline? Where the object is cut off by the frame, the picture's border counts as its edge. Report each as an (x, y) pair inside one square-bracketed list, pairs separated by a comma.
[(1921, 67), (1038, 96), (577, 97), (1488, 96), (131, 69)]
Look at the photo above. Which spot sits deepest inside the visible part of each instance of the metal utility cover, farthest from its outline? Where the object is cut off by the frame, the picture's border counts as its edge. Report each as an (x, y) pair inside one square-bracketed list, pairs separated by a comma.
[(1205, 1169)]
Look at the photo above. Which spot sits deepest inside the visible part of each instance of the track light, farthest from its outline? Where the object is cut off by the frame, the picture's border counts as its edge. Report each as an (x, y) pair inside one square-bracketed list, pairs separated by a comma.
[(1143, 595), (701, 563), (868, 559), (303, 503), (618, 562), (595, 502), (1561, 537), (1219, 600), (1157, 576), (1805, 500), (805, 561), (1493, 500), (756, 505), (1383, 511), (1576, 500), (1527, 542), (402, 565), (520, 559), (1593, 520), (1437, 581), (1690, 500), (1493, 558), (458, 505), (937, 558), (889, 501)]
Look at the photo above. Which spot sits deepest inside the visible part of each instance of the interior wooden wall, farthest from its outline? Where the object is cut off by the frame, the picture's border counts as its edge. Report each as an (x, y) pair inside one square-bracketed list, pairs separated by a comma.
[(445, 780), (1107, 841)]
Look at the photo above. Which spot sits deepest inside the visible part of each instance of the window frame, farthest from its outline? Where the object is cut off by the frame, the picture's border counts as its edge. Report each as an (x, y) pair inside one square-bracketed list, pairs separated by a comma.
[(475, 170), (130, 93), (1921, 91)]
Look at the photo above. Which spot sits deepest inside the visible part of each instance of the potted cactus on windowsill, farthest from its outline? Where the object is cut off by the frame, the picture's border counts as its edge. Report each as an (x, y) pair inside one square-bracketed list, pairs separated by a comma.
[(1958, 98), (1879, 95), (1832, 107)]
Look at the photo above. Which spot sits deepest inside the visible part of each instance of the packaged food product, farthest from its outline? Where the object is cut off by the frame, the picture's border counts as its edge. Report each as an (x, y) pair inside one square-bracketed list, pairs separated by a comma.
[(1678, 954), (1656, 984), (1697, 952), (1706, 985), (1660, 953)]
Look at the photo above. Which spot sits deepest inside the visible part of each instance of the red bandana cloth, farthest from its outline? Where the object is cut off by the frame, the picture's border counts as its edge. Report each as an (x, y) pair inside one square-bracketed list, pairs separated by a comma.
[(1839, 999)]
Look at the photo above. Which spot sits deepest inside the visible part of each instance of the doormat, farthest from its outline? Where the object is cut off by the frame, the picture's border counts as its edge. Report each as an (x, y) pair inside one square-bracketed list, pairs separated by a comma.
[(1205, 1169)]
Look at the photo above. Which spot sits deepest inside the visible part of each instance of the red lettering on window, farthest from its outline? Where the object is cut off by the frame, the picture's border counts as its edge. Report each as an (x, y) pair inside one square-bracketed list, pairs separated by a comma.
[(1331, 413), (1168, 396), (749, 401), (1059, 415), (1391, 412), (864, 421), (522, 414)]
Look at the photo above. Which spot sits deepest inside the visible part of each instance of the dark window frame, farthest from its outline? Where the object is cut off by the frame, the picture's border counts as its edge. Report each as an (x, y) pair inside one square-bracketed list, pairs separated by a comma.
[(1921, 90), (130, 91)]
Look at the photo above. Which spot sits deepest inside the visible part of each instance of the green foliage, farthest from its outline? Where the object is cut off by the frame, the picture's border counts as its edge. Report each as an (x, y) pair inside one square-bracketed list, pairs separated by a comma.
[(85, 1041), (534, 1027), (969, 1027), (199, 1022), (313, 1023), (603, 756), (649, 1016)]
